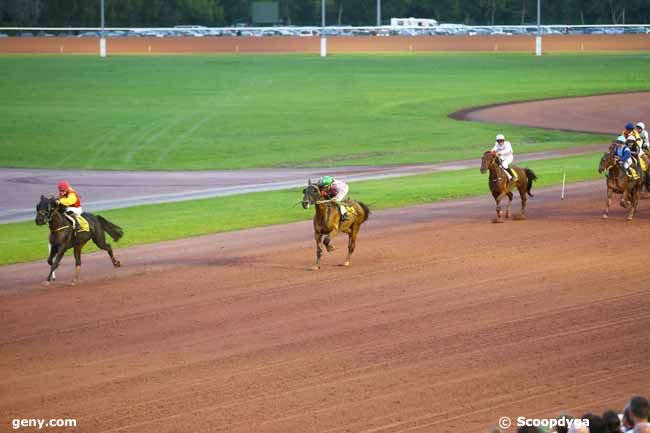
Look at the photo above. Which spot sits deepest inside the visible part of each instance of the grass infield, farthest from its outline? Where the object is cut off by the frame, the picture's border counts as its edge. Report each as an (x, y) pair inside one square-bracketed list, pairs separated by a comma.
[(234, 111)]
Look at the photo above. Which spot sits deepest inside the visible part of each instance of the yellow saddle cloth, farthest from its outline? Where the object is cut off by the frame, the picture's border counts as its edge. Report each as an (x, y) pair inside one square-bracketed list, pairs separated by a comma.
[(644, 166), (351, 209), (83, 224)]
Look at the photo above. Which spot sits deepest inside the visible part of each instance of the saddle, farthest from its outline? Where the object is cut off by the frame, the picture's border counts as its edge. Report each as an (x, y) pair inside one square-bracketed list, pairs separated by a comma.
[(82, 223)]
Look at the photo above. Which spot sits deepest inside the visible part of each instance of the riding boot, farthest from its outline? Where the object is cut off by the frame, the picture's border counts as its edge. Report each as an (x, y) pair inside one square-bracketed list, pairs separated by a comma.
[(509, 170), (344, 214), (73, 219)]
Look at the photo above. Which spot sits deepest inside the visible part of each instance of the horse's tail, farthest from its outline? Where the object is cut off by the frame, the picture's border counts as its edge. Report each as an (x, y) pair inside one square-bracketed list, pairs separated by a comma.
[(531, 178), (366, 211), (113, 230)]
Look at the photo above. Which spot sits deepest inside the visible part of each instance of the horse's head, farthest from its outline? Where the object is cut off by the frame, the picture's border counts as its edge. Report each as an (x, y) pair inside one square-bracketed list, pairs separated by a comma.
[(311, 195), (489, 158), (608, 160), (44, 209)]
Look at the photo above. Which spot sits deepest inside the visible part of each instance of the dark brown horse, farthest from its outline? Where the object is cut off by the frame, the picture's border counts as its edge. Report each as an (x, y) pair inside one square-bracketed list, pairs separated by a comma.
[(63, 237), (618, 182), (502, 187), (327, 221)]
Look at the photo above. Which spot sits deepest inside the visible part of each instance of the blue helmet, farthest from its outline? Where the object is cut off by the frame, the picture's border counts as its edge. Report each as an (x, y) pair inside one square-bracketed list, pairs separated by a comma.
[(629, 125)]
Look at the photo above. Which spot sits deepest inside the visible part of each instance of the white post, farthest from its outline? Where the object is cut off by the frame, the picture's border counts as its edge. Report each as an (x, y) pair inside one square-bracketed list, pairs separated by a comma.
[(102, 39), (563, 183), (323, 38), (538, 38), (102, 47)]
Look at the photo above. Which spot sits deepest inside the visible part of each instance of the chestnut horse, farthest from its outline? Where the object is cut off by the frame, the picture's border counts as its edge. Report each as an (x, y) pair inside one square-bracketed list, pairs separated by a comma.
[(327, 221), (502, 187), (618, 182)]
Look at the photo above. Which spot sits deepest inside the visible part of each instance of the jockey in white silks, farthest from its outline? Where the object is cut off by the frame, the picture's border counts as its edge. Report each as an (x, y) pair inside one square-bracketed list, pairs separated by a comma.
[(503, 150), (335, 190)]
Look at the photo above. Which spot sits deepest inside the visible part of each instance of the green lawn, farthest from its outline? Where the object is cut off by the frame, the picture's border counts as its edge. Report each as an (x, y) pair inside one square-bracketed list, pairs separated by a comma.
[(24, 241), (235, 111)]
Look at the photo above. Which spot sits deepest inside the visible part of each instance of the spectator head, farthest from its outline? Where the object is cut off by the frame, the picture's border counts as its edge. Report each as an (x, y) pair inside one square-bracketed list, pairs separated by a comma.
[(596, 423), (529, 429), (639, 409), (628, 424), (581, 429), (564, 428), (612, 421), (642, 427)]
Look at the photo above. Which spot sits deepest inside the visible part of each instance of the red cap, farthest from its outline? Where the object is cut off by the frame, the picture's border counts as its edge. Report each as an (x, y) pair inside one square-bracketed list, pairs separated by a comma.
[(64, 185)]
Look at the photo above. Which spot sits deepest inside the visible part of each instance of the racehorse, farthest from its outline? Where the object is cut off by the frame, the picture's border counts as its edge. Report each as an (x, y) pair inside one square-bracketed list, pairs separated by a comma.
[(63, 236), (327, 220), (502, 187), (618, 182)]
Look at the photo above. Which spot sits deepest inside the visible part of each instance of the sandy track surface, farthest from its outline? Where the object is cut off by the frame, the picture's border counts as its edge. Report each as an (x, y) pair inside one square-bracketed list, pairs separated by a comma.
[(118, 189), (443, 323), (606, 114)]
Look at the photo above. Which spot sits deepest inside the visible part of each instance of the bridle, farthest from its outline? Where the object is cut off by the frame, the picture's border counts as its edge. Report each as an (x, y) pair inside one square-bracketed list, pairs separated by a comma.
[(47, 217)]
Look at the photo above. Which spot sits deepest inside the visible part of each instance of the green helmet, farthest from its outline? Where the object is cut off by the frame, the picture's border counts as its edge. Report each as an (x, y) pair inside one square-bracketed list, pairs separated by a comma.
[(326, 181)]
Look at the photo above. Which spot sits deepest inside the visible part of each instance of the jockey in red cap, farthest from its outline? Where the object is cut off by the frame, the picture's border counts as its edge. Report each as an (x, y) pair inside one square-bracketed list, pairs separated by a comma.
[(69, 198)]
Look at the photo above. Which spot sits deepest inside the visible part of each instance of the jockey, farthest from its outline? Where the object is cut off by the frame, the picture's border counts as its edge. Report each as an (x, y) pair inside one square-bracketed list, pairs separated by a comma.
[(640, 129), (625, 156), (69, 198), (335, 190), (503, 150), (629, 130)]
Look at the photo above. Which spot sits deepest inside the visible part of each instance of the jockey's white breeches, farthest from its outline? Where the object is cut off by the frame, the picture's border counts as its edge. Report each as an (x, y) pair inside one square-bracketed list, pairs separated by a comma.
[(627, 163), (75, 210), (506, 161)]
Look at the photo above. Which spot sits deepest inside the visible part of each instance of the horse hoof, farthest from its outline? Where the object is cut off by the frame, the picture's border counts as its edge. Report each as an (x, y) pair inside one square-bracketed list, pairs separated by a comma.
[(46, 283), (117, 264), (605, 216), (346, 263), (629, 218), (73, 283), (315, 268), (507, 215), (520, 217), (497, 221), (330, 248)]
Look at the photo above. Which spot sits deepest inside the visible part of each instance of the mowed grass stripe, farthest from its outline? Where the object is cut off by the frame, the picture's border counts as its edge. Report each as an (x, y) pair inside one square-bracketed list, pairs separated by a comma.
[(22, 242), (139, 112)]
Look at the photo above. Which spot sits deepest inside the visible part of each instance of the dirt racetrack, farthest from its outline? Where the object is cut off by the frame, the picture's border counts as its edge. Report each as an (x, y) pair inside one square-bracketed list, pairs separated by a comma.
[(551, 43), (443, 323), (605, 114)]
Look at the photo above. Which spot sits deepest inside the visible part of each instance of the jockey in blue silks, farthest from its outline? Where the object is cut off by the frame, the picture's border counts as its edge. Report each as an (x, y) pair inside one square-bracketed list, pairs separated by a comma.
[(624, 155)]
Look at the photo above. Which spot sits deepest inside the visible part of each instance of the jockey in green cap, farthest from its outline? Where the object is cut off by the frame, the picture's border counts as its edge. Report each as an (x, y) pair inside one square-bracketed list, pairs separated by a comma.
[(335, 190)]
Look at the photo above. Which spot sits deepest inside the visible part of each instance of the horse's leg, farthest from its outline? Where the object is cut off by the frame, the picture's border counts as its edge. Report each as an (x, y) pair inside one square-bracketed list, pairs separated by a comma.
[(319, 251), (100, 240), (77, 262), (522, 195), (352, 240), (636, 197), (510, 197), (498, 200), (608, 202), (327, 241), (55, 264)]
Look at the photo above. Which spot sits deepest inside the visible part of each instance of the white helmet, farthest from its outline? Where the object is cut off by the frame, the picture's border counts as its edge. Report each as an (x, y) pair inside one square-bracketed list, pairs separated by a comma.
[(620, 139), (631, 138), (500, 137), (641, 125)]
